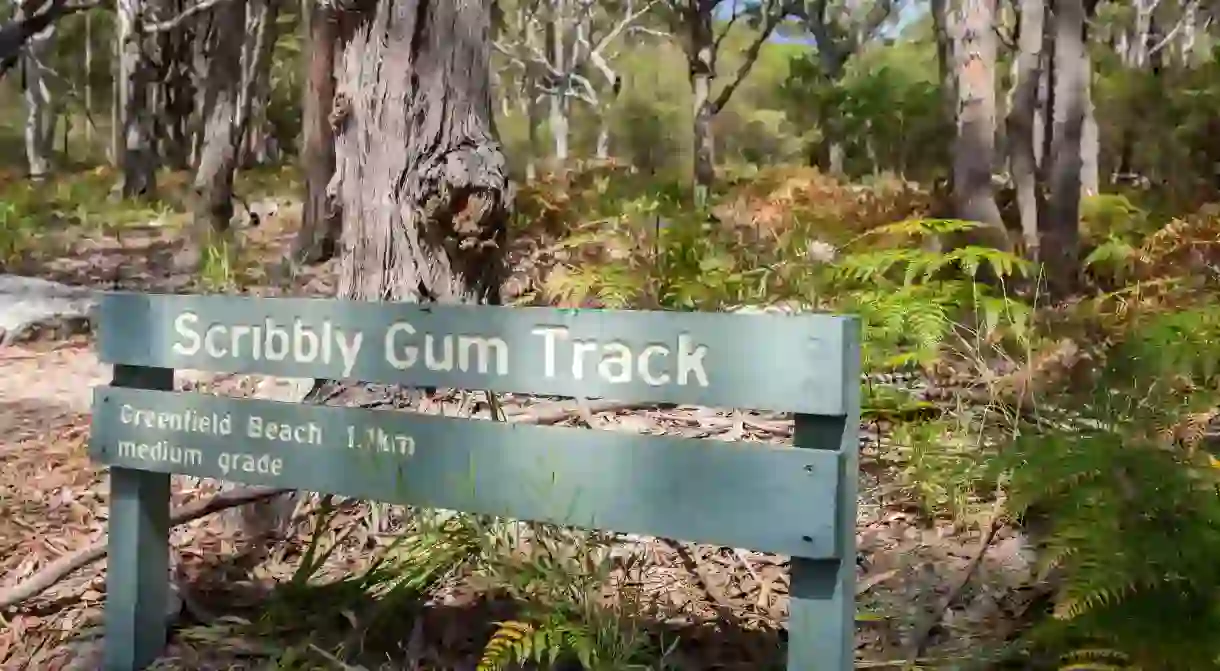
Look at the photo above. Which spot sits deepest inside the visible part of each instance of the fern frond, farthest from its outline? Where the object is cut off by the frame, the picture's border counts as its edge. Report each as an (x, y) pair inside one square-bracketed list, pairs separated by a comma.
[(511, 642)]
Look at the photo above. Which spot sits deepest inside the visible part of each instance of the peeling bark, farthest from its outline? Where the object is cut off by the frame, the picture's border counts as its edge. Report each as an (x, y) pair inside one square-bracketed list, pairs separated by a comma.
[(222, 119), (974, 147), (420, 174)]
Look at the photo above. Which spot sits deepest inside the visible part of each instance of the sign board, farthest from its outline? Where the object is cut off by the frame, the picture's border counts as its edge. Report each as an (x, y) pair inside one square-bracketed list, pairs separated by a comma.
[(777, 362), (796, 502), (773, 499)]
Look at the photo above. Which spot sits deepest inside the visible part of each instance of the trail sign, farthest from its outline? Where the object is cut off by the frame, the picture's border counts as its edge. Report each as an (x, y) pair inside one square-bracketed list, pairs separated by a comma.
[(776, 499)]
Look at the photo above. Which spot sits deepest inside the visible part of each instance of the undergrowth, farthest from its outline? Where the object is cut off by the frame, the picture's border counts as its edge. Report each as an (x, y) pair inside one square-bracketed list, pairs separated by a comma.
[(1088, 422)]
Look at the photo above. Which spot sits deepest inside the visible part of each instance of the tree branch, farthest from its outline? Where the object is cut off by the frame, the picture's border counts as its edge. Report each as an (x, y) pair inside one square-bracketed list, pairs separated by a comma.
[(770, 21), (170, 24), (62, 567), (14, 34)]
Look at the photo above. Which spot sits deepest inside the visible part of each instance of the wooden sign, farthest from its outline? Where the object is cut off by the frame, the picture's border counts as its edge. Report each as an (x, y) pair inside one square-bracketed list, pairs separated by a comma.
[(797, 502)]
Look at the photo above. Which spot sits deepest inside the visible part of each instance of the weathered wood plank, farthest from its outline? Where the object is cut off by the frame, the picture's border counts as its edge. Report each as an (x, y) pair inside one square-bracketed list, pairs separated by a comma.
[(775, 362), (767, 498), (137, 566)]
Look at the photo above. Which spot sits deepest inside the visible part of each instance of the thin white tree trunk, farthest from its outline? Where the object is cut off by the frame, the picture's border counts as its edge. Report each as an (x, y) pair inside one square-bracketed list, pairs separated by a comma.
[(39, 110), (89, 77), (559, 123)]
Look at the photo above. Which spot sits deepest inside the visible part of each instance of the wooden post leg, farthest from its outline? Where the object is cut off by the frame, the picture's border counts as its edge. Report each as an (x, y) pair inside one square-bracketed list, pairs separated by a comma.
[(137, 568), (822, 610), (137, 548)]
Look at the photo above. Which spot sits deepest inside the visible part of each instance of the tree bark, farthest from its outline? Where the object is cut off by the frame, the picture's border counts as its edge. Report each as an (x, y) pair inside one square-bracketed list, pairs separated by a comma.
[(1090, 141), (318, 239), (1060, 230), (701, 57), (137, 157), (223, 117), (421, 177), (974, 148), (255, 90), (559, 121), (1022, 117)]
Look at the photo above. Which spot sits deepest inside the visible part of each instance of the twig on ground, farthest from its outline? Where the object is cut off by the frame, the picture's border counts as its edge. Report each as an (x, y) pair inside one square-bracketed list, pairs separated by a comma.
[(919, 642), (558, 415), (62, 567), (695, 568)]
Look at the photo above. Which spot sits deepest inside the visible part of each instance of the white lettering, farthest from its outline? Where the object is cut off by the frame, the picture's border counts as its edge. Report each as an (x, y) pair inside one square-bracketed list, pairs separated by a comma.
[(303, 336), (238, 463), (483, 348), (550, 334), (277, 341), (431, 362), (349, 348), (691, 361), (646, 369), (214, 349), (260, 429), (579, 349), (409, 353), (619, 356), (182, 324)]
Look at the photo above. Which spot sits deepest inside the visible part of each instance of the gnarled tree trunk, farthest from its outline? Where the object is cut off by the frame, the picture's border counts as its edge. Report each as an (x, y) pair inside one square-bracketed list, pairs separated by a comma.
[(421, 177)]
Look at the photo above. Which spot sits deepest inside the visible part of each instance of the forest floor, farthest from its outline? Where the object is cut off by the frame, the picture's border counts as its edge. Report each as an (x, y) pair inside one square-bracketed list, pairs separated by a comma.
[(946, 593)]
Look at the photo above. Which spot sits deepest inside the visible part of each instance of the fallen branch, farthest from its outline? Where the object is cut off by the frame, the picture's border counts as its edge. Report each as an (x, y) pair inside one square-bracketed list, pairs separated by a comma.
[(919, 642), (62, 567), (558, 415)]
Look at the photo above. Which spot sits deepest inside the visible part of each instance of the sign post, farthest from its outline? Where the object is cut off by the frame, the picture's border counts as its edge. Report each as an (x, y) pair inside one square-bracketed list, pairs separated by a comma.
[(797, 502)]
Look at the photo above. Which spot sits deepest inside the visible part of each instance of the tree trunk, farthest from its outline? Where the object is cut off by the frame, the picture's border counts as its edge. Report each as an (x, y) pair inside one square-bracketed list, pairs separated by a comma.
[(255, 89), (137, 156), (89, 77), (701, 57), (533, 113), (39, 107), (318, 239), (222, 129), (175, 89), (420, 173), (944, 59), (603, 136), (559, 113), (1022, 117), (1060, 230), (1090, 141), (974, 149)]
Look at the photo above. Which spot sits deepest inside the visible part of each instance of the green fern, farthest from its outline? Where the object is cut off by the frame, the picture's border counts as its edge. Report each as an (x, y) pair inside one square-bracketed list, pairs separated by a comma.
[(1133, 516)]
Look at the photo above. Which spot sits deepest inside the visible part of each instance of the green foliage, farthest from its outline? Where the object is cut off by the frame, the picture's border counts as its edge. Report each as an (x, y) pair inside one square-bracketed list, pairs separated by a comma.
[(1125, 483)]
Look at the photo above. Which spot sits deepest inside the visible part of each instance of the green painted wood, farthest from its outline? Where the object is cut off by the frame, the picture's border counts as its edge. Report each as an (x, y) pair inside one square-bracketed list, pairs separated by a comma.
[(767, 498), (137, 547), (778, 362), (822, 610)]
